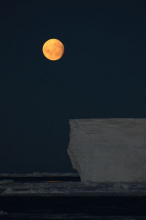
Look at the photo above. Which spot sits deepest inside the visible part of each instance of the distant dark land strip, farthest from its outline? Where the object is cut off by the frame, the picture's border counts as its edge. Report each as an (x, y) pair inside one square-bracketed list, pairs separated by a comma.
[(39, 179)]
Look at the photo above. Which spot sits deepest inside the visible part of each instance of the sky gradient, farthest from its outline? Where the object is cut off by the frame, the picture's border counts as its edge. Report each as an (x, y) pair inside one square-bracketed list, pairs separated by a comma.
[(102, 74)]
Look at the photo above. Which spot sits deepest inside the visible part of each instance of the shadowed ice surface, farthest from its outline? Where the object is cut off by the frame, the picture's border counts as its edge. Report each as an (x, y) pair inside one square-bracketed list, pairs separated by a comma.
[(63, 196)]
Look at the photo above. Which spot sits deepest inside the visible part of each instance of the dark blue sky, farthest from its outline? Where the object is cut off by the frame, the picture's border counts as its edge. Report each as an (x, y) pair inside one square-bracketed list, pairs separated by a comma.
[(101, 75)]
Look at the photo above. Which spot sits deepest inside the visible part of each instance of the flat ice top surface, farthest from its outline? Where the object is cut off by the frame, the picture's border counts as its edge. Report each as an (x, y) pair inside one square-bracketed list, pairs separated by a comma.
[(96, 120), (60, 188)]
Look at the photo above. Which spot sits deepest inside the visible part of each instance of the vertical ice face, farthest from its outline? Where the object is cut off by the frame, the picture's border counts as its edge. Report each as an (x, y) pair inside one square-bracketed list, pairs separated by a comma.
[(108, 150)]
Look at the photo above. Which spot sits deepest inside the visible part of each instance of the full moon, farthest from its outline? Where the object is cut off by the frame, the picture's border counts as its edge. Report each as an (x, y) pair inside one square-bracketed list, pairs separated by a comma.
[(53, 49)]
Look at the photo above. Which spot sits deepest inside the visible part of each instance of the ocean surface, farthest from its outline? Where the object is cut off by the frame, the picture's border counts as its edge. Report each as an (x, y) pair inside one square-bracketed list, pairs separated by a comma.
[(63, 196)]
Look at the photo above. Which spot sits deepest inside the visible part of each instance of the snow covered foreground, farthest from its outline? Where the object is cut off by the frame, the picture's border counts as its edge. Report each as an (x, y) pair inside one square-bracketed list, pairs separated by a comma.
[(48, 188)]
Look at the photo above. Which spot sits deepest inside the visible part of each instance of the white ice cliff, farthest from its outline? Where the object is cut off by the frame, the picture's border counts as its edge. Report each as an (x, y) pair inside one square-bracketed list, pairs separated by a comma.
[(108, 150)]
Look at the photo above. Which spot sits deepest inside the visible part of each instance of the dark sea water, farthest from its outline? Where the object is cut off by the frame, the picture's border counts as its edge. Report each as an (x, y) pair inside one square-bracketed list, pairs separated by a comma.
[(65, 197)]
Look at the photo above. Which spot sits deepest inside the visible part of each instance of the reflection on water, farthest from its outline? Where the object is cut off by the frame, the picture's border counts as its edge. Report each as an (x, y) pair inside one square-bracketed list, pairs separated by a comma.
[(53, 181)]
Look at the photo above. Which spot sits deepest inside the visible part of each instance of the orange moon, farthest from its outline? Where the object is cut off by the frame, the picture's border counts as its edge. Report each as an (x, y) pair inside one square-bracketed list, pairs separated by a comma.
[(53, 49)]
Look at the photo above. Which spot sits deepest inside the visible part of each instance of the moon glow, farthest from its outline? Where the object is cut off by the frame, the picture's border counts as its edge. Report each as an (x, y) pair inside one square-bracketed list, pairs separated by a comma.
[(53, 49)]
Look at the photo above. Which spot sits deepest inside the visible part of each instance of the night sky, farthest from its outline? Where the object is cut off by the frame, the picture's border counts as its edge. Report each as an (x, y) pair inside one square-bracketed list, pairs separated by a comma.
[(102, 74)]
